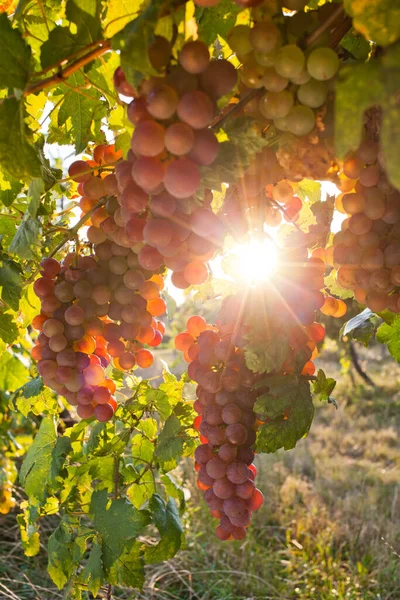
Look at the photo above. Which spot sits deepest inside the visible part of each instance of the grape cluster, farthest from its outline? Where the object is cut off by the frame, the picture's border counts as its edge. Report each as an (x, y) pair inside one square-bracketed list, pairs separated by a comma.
[(366, 251), (158, 181), (71, 356), (296, 83), (96, 309), (261, 196), (226, 423)]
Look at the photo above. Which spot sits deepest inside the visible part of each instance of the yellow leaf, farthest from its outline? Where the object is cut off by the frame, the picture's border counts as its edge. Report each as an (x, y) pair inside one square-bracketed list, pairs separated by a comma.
[(119, 13)]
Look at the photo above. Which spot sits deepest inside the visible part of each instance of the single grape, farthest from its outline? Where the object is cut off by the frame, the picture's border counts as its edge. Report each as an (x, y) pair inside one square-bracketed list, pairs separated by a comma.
[(322, 63)]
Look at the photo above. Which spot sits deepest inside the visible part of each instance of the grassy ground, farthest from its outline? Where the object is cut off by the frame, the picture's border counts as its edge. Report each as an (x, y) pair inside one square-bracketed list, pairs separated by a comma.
[(329, 528)]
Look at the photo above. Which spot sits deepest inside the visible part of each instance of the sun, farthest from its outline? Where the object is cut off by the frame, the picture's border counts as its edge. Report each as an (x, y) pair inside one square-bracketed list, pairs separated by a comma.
[(253, 262)]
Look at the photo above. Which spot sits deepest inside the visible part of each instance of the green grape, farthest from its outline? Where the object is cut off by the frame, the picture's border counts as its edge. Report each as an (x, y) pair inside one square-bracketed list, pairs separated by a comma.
[(252, 76), (266, 60), (272, 81), (289, 61), (323, 63), (313, 93), (239, 39), (281, 123), (275, 105), (302, 78), (300, 120), (264, 37)]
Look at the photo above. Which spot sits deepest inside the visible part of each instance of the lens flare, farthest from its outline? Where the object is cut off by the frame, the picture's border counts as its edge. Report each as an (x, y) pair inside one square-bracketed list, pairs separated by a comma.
[(255, 261)]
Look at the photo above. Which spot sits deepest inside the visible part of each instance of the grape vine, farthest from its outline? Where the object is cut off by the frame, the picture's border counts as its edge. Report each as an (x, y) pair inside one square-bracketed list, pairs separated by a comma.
[(233, 150)]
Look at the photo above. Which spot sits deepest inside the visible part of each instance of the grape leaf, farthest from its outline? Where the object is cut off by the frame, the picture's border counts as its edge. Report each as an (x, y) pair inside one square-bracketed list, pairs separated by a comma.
[(60, 550), (309, 189), (216, 20), (166, 519), (355, 94), (12, 372), (10, 280), (267, 356), (361, 327), (93, 574), (26, 238), (119, 13), (14, 142), (60, 44), (36, 468), (377, 20), (84, 111), (29, 530), (86, 15), (324, 386), (169, 444), (119, 524), (390, 336), (9, 190), (356, 44), (8, 329), (292, 423), (15, 56)]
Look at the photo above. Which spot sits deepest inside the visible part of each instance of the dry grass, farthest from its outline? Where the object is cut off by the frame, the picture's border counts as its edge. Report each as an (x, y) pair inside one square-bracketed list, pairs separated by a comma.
[(329, 528)]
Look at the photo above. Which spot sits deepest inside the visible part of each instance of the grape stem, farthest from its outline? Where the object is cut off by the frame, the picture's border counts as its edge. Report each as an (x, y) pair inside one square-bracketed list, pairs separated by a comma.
[(283, 211), (74, 230), (61, 74)]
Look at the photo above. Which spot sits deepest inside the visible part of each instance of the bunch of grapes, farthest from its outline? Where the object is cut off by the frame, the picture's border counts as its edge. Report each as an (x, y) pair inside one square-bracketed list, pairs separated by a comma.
[(296, 82), (71, 356), (226, 423), (366, 252), (159, 180), (94, 310), (260, 197)]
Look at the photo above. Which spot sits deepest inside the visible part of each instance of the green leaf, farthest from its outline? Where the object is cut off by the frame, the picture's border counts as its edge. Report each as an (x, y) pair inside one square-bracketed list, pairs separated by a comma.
[(377, 20), (324, 386), (119, 13), (354, 94), (216, 20), (15, 142), (86, 15), (15, 56), (10, 280), (293, 422), (62, 448), (12, 371), (361, 327), (119, 523), (93, 574), (29, 531), (83, 111), (60, 547), (35, 191), (334, 288), (36, 468), (9, 191), (169, 444), (267, 356), (8, 329), (26, 238), (137, 35), (308, 188), (356, 44), (166, 519), (60, 44), (390, 336)]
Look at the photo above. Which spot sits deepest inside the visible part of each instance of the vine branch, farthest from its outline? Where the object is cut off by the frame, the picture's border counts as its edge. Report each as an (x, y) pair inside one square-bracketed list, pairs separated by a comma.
[(62, 74)]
